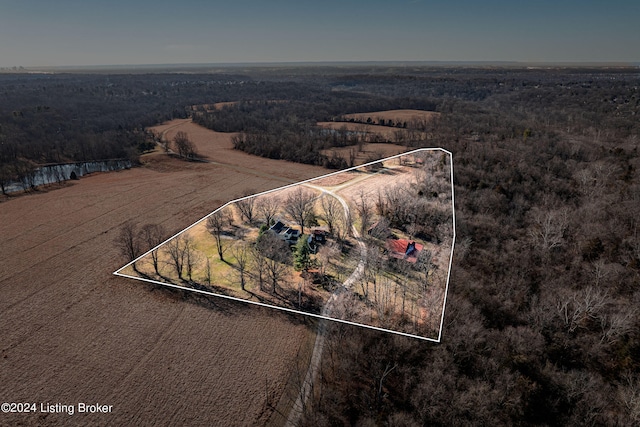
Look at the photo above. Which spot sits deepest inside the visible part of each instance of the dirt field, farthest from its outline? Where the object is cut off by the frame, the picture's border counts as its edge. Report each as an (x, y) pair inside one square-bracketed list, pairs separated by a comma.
[(395, 115), (385, 132), (370, 152), (217, 148), (72, 332)]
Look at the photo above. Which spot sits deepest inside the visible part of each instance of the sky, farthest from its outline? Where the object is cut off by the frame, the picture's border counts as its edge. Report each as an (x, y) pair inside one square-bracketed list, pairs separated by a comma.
[(117, 32)]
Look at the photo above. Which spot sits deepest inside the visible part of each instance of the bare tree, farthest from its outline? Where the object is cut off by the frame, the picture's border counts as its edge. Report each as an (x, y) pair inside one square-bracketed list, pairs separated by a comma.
[(207, 271), (594, 179), (177, 249), (277, 257), (6, 175), (326, 254), (267, 207), (25, 171), (617, 324), (363, 207), (353, 154), (299, 206), (8, 156), (403, 269), (463, 248), (425, 264), (382, 298), (217, 223), (577, 307), (548, 229), (387, 370), (258, 265), (382, 204), (374, 263), (381, 229), (128, 242), (247, 206), (629, 394), (184, 146), (276, 269), (153, 235), (398, 204), (242, 255), (343, 227), (190, 256), (331, 209)]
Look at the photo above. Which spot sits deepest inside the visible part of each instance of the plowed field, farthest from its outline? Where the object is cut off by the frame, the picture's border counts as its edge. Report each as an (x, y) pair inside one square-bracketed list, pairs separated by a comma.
[(395, 115), (71, 332)]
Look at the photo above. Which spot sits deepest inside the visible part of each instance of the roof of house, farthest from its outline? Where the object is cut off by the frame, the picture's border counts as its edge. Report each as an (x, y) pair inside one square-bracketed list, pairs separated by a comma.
[(291, 232), (282, 231), (277, 227), (404, 249)]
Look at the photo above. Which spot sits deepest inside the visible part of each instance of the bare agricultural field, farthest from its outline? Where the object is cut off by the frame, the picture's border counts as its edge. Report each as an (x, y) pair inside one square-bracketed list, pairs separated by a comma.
[(217, 148), (394, 115), (163, 127), (72, 332), (336, 179), (384, 132), (221, 105), (369, 152)]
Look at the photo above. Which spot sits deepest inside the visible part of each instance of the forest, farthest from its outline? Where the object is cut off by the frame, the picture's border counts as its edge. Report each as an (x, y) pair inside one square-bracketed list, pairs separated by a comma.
[(542, 324), (66, 117)]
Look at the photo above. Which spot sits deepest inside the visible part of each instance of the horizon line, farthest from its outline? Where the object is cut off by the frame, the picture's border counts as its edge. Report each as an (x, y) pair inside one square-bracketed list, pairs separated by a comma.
[(257, 64)]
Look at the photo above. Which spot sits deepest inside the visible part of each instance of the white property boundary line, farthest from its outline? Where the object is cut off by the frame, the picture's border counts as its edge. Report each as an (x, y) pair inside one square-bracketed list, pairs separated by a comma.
[(446, 292)]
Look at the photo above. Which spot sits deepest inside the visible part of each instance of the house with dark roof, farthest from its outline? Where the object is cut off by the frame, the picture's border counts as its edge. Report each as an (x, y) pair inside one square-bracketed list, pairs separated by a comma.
[(277, 227), (290, 235), (283, 232)]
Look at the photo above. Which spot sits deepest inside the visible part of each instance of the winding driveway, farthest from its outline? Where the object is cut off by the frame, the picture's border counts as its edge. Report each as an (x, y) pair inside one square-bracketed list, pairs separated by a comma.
[(307, 386)]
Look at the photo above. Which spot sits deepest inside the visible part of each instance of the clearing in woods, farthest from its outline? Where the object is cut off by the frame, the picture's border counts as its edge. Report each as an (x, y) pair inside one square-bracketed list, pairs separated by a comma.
[(397, 116), (376, 135), (369, 246)]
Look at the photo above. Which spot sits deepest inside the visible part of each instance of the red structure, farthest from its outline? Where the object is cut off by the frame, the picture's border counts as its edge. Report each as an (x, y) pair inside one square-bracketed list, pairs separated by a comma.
[(404, 249)]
